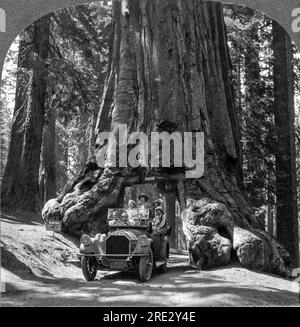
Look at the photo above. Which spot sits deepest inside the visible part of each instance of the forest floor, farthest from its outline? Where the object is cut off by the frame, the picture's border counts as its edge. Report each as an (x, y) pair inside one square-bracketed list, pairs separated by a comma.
[(39, 269)]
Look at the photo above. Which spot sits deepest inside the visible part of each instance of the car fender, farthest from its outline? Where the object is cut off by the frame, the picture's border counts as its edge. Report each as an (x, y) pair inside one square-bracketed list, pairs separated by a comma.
[(144, 249), (92, 248)]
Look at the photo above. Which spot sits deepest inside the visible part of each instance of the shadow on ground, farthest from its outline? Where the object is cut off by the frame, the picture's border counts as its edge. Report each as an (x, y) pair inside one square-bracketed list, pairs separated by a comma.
[(180, 286)]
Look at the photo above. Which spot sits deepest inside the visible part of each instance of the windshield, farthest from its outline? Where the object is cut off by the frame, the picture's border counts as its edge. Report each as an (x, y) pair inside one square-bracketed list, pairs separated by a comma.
[(128, 217)]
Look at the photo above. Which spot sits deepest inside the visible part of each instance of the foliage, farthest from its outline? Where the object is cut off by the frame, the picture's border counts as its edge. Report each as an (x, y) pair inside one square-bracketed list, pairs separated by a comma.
[(249, 37)]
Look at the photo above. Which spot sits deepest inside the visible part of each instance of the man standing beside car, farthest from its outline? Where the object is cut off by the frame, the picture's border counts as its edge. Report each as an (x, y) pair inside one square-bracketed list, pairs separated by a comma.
[(159, 223)]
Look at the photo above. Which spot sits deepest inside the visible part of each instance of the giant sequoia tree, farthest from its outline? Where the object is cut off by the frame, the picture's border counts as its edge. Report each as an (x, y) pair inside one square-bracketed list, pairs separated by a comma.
[(169, 70), (20, 181)]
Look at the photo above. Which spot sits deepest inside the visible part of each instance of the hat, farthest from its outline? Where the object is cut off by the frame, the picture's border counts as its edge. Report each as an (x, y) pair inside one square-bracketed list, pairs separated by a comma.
[(132, 202), (159, 201), (160, 208), (143, 195)]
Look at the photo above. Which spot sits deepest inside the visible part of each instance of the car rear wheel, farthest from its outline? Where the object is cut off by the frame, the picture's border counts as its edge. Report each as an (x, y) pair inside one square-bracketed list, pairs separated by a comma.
[(146, 267), (89, 268)]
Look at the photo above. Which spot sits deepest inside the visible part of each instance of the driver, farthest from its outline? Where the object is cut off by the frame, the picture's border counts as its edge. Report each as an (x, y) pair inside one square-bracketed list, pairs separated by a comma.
[(155, 204), (159, 223)]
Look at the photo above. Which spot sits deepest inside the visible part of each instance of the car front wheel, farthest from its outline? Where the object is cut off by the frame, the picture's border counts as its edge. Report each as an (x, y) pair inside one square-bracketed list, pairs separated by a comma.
[(89, 268), (146, 267)]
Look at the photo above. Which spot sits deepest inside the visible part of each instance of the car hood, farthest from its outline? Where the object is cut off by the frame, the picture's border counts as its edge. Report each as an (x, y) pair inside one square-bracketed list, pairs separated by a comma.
[(132, 234)]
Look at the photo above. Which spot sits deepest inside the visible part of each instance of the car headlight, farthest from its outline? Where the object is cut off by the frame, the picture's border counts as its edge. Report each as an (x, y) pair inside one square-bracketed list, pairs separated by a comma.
[(103, 238), (143, 240), (85, 240)]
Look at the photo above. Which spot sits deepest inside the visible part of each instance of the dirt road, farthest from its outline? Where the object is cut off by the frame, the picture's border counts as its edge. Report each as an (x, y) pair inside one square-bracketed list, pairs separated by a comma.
[(37, 272)]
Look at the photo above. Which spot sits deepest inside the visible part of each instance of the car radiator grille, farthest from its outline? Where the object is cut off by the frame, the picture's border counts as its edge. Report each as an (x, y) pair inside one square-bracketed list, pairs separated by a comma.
[(117, 245)]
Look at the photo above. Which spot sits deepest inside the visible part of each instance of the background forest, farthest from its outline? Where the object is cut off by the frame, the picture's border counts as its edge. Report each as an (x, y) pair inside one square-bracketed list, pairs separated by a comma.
[(75, 59)]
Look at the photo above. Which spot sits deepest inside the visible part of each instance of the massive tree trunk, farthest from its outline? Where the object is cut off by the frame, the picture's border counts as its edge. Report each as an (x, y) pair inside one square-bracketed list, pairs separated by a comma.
[(284, 113), (12, 171), (47, 176), (169, 71), (25, 192)]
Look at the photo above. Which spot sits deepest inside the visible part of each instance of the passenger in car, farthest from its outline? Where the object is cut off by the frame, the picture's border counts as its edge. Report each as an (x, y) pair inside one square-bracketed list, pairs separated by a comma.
[(131, 204), (143, 199), (132, 211)]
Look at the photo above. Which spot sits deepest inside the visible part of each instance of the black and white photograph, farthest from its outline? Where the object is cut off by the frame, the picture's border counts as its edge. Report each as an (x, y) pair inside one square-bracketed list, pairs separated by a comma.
[(150, 155)]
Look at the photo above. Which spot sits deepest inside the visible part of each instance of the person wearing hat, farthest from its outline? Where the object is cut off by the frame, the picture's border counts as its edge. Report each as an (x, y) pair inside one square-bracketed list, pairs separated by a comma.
[(159, 223), (143, 199), (131, 204), (157, 203), (125, 218)]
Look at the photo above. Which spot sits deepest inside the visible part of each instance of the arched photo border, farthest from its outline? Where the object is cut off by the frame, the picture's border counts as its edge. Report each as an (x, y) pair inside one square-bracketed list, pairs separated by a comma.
[(21, 13)]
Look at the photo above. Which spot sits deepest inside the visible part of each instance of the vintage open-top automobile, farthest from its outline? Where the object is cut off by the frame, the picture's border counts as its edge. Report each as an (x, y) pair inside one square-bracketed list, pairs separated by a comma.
[(129, 245)]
